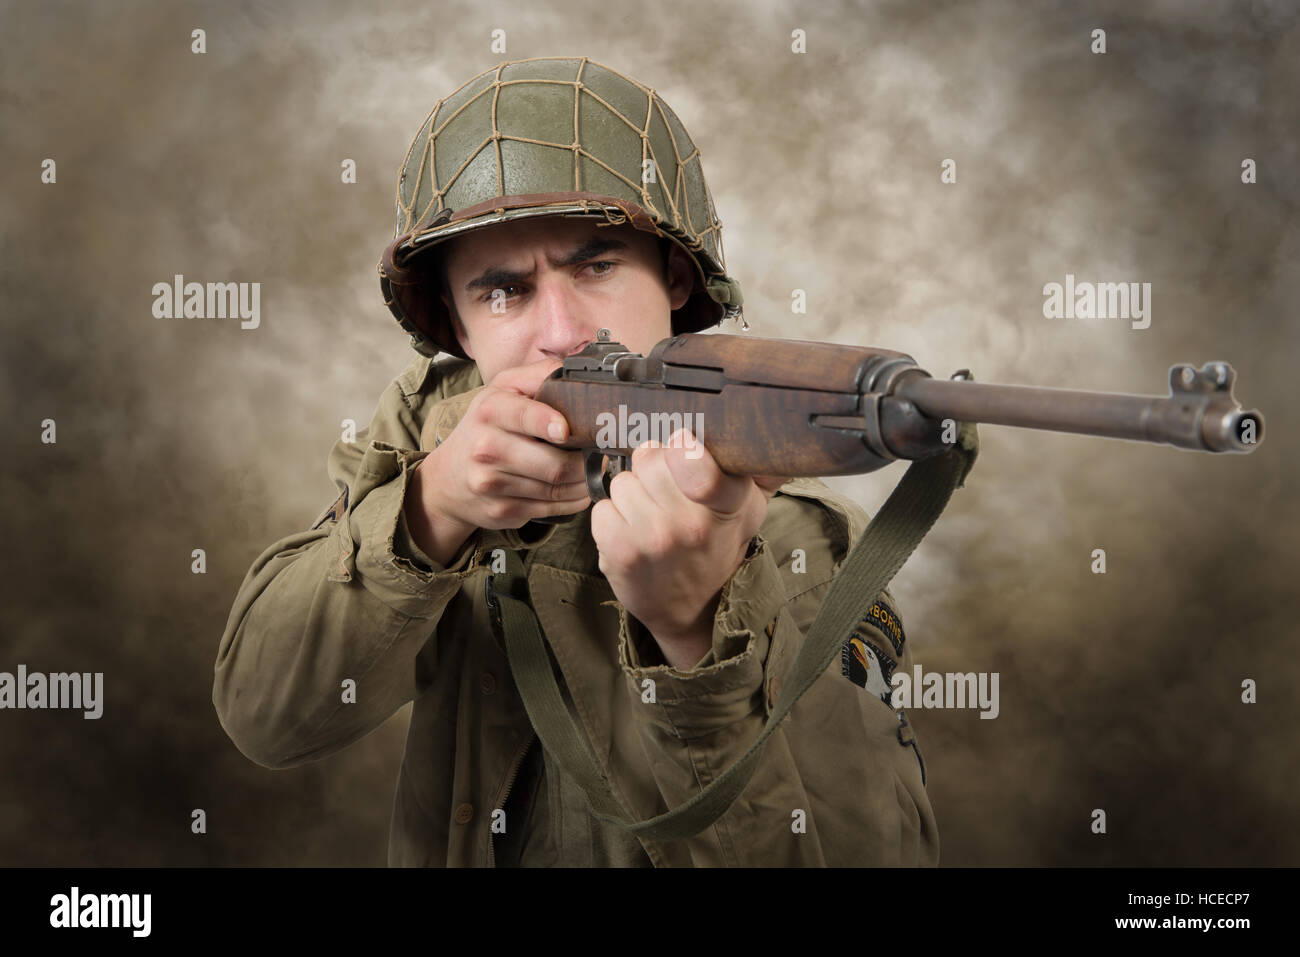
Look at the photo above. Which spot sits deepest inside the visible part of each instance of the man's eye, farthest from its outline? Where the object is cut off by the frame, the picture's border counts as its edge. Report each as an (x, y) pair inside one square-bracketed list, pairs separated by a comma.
[(603, 262), (504, 290)]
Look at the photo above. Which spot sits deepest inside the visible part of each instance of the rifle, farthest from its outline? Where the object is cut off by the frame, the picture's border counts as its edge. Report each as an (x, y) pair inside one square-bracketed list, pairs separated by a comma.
[(780, 407), (792, 408)]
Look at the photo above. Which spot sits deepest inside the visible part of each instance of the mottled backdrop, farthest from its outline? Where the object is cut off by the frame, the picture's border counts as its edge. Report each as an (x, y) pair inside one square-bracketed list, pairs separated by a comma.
[(1118, 691)]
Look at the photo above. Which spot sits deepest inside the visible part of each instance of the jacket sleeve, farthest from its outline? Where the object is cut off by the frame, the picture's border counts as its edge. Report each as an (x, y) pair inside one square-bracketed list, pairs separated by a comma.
[(321, 643), (825, 790)]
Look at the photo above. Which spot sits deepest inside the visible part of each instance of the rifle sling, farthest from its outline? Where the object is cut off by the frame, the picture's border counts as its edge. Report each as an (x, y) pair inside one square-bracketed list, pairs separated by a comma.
[(890, 538)]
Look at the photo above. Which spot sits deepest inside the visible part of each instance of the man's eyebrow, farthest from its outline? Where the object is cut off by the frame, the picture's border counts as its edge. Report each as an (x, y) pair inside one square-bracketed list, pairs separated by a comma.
[(495, 277)]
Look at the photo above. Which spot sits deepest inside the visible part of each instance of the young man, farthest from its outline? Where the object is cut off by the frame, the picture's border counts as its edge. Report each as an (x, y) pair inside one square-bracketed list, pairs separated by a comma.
[(695, 583), (674, 529)]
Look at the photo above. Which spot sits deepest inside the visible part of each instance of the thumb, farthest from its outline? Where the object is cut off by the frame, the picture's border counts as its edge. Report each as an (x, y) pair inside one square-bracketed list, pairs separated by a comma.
[(769, 484), (699, 478)]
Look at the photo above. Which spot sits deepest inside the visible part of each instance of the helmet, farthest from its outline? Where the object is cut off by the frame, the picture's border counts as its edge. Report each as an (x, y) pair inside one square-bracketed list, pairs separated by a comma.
[(549, 136)]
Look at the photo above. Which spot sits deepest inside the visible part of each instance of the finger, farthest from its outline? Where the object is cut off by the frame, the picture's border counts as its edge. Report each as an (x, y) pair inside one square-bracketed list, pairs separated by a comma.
[(700, 479), (564, 507), (507, 485), (638, 509), (525, 380), (650, 465), (522, 456), (608, 524), (523, 509), (521, 415)]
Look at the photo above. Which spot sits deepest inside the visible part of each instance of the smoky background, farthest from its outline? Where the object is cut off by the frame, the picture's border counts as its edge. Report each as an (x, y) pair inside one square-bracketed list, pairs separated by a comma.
[(1119, 691)]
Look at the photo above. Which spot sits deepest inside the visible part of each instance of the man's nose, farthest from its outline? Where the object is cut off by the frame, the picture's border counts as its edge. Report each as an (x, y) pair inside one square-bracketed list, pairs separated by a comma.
[(564, 327)]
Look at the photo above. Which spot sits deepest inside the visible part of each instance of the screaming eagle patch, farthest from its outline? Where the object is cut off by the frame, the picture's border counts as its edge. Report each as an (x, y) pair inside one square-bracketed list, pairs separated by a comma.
[(866, 663), (867, 667)]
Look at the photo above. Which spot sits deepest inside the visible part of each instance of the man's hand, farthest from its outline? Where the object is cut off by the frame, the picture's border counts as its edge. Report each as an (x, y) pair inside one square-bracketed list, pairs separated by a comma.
[(673, 531), (492, 471)]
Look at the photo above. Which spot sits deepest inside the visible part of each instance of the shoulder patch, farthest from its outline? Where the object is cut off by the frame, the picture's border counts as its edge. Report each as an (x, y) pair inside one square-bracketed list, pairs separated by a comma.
[(867, 664), (867, 667), (336, 511), (887, 621)]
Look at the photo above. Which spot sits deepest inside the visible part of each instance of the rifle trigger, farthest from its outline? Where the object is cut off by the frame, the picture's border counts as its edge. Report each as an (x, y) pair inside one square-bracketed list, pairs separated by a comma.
[(597, 479)]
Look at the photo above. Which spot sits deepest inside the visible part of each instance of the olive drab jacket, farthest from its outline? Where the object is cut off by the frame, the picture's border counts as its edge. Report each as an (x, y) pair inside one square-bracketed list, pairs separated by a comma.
[(840, 783)]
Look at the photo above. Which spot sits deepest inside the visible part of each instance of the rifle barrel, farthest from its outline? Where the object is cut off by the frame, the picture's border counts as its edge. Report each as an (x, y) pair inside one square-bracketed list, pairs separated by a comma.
[(1200, 413)]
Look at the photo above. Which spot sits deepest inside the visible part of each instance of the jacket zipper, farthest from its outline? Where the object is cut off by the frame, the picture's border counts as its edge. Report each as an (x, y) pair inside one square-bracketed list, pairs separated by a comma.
[(510, 783)]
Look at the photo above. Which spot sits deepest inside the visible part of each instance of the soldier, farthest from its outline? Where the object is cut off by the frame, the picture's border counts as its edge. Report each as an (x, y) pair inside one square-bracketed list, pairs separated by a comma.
[(542, 200)]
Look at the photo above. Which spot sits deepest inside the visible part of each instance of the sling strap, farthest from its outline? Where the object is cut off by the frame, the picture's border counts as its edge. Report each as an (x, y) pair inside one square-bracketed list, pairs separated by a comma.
[(889, 539)]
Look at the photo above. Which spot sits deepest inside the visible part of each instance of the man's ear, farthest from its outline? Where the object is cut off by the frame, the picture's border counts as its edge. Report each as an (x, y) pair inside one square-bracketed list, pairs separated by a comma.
[(681, 276)]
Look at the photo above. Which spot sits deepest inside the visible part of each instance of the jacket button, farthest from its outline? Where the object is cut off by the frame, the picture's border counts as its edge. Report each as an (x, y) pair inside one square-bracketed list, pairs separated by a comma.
[(487, 683), (464, 813)]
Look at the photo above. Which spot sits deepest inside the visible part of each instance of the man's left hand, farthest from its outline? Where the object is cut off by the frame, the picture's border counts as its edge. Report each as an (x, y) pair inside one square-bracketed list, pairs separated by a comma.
[(673, 531)]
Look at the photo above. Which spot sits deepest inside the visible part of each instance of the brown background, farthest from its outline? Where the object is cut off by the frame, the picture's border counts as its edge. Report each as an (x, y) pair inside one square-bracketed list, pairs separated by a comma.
[(1119, 691)]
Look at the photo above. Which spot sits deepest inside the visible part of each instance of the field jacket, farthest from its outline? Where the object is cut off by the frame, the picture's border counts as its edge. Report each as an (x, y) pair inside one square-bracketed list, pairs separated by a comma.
[(336, 627)]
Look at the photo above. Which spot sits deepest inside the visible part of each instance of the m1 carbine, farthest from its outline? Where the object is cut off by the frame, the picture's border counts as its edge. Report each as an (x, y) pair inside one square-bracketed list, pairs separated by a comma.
[(784, 408), (789, 408)]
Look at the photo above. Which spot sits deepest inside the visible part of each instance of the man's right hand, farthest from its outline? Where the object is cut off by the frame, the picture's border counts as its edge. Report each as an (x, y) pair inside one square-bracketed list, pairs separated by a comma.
[(496, 469)]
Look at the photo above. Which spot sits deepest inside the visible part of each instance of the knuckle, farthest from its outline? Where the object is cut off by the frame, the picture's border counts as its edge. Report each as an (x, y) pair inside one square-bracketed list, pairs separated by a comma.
[(484, 450), (657, 543), (483, 409), (523, 417), (488, 482), (557, 476)]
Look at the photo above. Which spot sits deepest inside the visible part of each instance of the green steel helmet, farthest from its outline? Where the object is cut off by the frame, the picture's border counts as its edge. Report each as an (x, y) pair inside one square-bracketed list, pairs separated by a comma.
[(549, 136)]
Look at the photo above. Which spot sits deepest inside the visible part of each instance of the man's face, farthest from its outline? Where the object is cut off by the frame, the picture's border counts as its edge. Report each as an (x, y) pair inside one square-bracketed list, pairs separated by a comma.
[(559, 281)]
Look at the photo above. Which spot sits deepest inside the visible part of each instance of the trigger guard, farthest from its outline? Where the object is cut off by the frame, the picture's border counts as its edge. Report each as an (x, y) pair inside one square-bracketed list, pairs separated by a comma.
[(597, 480)]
